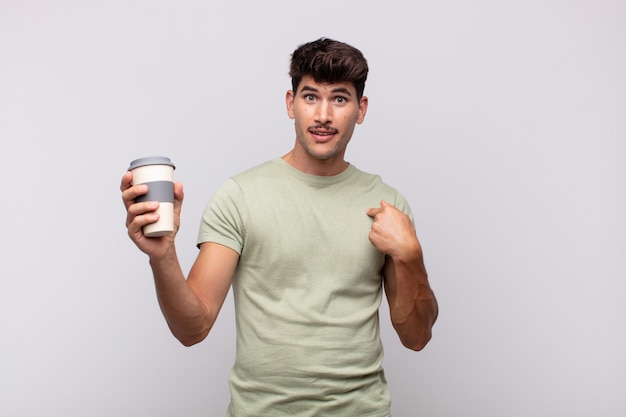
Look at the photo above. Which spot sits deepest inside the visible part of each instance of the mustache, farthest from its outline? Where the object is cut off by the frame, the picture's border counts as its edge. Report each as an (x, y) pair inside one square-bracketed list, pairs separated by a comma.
[(326, 127)]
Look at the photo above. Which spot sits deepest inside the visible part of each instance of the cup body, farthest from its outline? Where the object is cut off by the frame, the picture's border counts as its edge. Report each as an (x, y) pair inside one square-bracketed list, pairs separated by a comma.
[(158, 174)]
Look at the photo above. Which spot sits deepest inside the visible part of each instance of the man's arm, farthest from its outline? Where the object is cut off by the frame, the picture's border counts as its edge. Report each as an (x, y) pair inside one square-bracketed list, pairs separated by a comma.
[(190, 306), (412, 303)]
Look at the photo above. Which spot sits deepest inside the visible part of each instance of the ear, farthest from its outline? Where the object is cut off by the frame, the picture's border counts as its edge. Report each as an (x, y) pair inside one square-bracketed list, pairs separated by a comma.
[(289, 104), (362, 109)]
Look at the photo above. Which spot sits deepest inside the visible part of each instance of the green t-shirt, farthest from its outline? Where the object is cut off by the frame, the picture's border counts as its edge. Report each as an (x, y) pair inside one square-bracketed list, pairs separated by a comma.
[(307, 290)]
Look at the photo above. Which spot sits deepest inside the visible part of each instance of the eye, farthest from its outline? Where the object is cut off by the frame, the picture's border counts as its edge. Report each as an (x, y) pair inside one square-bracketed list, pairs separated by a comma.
[(309, 97), (341, 100)]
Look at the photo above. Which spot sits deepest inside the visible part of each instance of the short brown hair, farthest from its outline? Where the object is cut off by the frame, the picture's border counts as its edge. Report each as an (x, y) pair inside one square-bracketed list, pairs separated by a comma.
[(329, 61)]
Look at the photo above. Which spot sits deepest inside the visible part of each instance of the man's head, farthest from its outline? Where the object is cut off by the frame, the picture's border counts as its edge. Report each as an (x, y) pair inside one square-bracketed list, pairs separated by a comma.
[(329, 61)]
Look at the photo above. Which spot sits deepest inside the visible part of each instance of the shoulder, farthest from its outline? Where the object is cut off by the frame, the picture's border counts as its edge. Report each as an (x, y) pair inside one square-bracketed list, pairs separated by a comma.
[(262, 169), (383, 190), (371, 180)]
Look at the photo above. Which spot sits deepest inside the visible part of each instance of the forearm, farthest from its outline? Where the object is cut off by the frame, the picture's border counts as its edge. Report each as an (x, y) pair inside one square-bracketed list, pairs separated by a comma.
[(187, 316), (412, 303)]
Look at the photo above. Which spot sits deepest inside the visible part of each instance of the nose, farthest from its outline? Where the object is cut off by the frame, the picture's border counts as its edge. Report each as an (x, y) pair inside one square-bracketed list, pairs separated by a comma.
[(323, 113)]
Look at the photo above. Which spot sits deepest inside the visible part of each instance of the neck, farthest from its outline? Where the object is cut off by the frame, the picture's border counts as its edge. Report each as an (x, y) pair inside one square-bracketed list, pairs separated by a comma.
[(318, 167)]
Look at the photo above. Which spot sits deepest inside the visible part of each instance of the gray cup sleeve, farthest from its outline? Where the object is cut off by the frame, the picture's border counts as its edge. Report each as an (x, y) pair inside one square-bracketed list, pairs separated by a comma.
[(162, 191)]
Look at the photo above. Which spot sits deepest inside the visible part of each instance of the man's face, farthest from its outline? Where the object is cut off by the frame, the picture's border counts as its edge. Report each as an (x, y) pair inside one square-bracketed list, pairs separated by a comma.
[(325, 116)]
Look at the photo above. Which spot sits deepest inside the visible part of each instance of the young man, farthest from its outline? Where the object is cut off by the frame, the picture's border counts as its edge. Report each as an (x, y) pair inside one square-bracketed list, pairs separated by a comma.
[(307, 242)]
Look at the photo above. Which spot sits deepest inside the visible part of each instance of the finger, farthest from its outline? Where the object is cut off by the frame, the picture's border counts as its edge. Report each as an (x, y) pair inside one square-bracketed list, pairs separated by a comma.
[(179, 195), (178, 191), (130, 194), (372, 212), (136, 224), (126, 184), (140, 214), (127, 181)]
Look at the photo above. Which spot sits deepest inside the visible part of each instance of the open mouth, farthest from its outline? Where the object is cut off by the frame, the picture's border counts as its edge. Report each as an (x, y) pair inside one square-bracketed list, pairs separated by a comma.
[(323, 132)]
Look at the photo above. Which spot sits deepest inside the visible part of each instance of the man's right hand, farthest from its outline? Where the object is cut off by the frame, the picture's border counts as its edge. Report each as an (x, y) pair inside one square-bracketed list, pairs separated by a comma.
[(140, 214)]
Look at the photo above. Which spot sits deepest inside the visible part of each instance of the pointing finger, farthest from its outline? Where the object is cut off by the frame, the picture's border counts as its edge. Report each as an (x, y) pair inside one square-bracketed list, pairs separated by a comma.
[(372, 212)]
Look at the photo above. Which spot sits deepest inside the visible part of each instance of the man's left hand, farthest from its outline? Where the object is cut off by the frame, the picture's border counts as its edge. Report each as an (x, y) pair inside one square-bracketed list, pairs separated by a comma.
[(392, 232)]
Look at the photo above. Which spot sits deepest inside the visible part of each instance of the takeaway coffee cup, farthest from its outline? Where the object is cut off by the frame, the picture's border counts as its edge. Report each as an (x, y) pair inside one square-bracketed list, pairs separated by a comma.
[(157, 172)]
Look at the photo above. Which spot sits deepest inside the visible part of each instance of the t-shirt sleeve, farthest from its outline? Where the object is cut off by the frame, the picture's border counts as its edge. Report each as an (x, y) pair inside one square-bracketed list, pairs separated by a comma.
[(223, 218), (403, 205)]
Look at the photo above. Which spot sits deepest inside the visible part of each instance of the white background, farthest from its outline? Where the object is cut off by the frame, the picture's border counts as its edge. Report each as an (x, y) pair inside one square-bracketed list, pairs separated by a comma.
[(503, 123)]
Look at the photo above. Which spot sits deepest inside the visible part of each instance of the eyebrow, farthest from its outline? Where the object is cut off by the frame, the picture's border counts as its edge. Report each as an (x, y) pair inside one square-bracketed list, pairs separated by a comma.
[(334, 90)]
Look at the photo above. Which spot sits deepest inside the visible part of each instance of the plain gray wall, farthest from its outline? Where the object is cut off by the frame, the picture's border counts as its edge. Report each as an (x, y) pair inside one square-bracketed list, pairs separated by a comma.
[(503, 123)]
